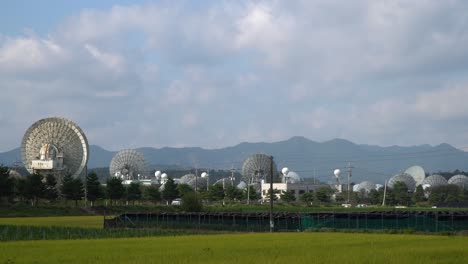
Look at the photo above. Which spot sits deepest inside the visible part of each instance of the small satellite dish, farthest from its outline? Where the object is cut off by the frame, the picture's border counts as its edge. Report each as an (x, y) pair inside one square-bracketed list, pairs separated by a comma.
[(285, 171), (204, 175), (337, 173)]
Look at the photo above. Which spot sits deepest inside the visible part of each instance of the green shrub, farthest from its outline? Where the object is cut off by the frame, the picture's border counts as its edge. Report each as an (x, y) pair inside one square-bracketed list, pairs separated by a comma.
[(191, 203)]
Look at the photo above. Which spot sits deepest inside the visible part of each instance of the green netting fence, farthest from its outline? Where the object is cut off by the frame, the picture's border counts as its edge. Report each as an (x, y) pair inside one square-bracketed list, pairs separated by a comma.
[(260, 222), (427, 222)]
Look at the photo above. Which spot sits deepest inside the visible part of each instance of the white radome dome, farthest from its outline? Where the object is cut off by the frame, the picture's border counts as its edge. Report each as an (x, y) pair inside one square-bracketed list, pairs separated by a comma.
[(337, 173), (285, 171)]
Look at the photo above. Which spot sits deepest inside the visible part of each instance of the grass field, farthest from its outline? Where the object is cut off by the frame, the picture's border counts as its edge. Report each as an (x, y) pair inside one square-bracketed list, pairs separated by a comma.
[(244, 248), (63, 221)]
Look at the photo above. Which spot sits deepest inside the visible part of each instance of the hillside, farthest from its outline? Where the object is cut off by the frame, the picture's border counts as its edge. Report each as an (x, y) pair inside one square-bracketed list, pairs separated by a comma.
[(302, 155)]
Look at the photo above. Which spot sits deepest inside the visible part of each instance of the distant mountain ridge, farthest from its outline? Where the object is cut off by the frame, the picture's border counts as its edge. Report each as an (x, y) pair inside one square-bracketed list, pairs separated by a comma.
[(302, 155)]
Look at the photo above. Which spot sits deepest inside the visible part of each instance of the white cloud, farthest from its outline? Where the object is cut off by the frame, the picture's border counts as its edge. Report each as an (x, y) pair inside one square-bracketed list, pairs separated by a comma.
[(256, 71), (448, 103)]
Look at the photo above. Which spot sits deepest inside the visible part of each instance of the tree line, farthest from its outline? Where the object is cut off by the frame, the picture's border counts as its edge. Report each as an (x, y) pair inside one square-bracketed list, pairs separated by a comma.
[(36, 188)]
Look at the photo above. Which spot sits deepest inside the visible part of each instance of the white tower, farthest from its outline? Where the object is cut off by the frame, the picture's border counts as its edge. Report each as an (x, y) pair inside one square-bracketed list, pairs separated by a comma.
[(338, 185)]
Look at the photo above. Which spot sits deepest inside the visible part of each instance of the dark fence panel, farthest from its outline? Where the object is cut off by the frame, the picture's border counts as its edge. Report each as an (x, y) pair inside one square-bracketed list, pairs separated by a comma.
[(259, 222)]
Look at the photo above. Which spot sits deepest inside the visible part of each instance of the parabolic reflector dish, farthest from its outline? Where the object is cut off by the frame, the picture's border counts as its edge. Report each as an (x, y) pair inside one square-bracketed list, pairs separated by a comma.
[(191, 180), (404, 178), (366, 186), (186, 178), (242, 185), (128, 164), (55, 145), (258, 166), (418, 174), (225, 181), (459, 180), (434, 181), (292, 177)]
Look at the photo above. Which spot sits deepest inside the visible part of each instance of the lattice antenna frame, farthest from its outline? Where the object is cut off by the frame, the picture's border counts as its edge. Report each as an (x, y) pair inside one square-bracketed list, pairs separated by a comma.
[(63, 134), (128, 162), (257, 167)]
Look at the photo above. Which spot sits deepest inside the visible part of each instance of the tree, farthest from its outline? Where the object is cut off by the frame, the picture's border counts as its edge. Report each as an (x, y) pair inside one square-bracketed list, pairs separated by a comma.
[(20, 188), (390, 197), (6, 184), (400, 192), (323, 194), (191, 203), (275, 192), (418, 195), (232, 193), (51, 192), (152, 193), (251, 194), (115, 189), (66, 187), (288, 196), (78, 191), (445, 194), (375, 197), (307, 197), (133, 192), (34, 188), (184, 188), (170, 191), (93, 188), (72, 189), (216, 192), (343, 197)]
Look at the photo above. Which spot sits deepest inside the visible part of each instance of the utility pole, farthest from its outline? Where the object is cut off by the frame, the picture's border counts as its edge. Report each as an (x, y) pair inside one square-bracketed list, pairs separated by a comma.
[(208, 180), (314, 176), (272, 223), (86, 186), (196, 180), (248, 190), (384, 193), (232, 175), (350, 172)]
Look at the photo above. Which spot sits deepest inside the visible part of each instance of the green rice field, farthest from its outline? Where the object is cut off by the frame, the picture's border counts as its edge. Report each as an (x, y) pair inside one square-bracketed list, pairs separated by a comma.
[(62, 221), (245, 248)]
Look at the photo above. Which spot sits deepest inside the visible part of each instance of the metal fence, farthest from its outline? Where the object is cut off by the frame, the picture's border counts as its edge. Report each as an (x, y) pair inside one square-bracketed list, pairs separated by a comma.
[(418, 221), (259, 222)]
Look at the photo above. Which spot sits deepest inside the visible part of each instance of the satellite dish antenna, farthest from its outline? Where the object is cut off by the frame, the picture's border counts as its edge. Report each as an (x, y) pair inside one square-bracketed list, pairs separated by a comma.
[(337, 173), (130, 163), (60, 142), (257, 167)]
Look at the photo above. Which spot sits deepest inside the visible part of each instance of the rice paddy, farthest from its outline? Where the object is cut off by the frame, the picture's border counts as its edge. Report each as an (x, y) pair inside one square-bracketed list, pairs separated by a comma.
[(62, 221), (244, 248)]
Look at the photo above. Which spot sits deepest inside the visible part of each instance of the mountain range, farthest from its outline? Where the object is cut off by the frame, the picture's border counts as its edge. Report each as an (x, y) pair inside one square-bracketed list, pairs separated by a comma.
[(306, 157)]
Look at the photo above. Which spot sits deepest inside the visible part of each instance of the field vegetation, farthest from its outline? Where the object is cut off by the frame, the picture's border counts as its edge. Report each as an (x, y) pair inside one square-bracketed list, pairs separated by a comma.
[(244, 248), (58, 221)]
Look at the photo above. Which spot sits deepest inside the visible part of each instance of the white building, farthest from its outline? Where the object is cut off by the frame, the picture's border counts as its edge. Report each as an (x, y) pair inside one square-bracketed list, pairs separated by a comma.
[(298, 188)]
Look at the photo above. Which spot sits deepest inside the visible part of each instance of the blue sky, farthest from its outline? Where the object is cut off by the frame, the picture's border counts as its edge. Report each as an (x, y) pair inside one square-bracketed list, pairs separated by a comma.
[(216, 73)]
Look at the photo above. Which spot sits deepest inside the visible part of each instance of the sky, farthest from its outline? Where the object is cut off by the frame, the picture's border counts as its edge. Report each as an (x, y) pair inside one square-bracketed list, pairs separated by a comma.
[(216, 73)]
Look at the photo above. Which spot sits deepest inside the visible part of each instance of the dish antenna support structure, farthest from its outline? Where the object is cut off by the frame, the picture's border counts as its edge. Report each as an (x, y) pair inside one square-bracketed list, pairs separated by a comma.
[(338, 185), (128, 164), (55, 146)]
